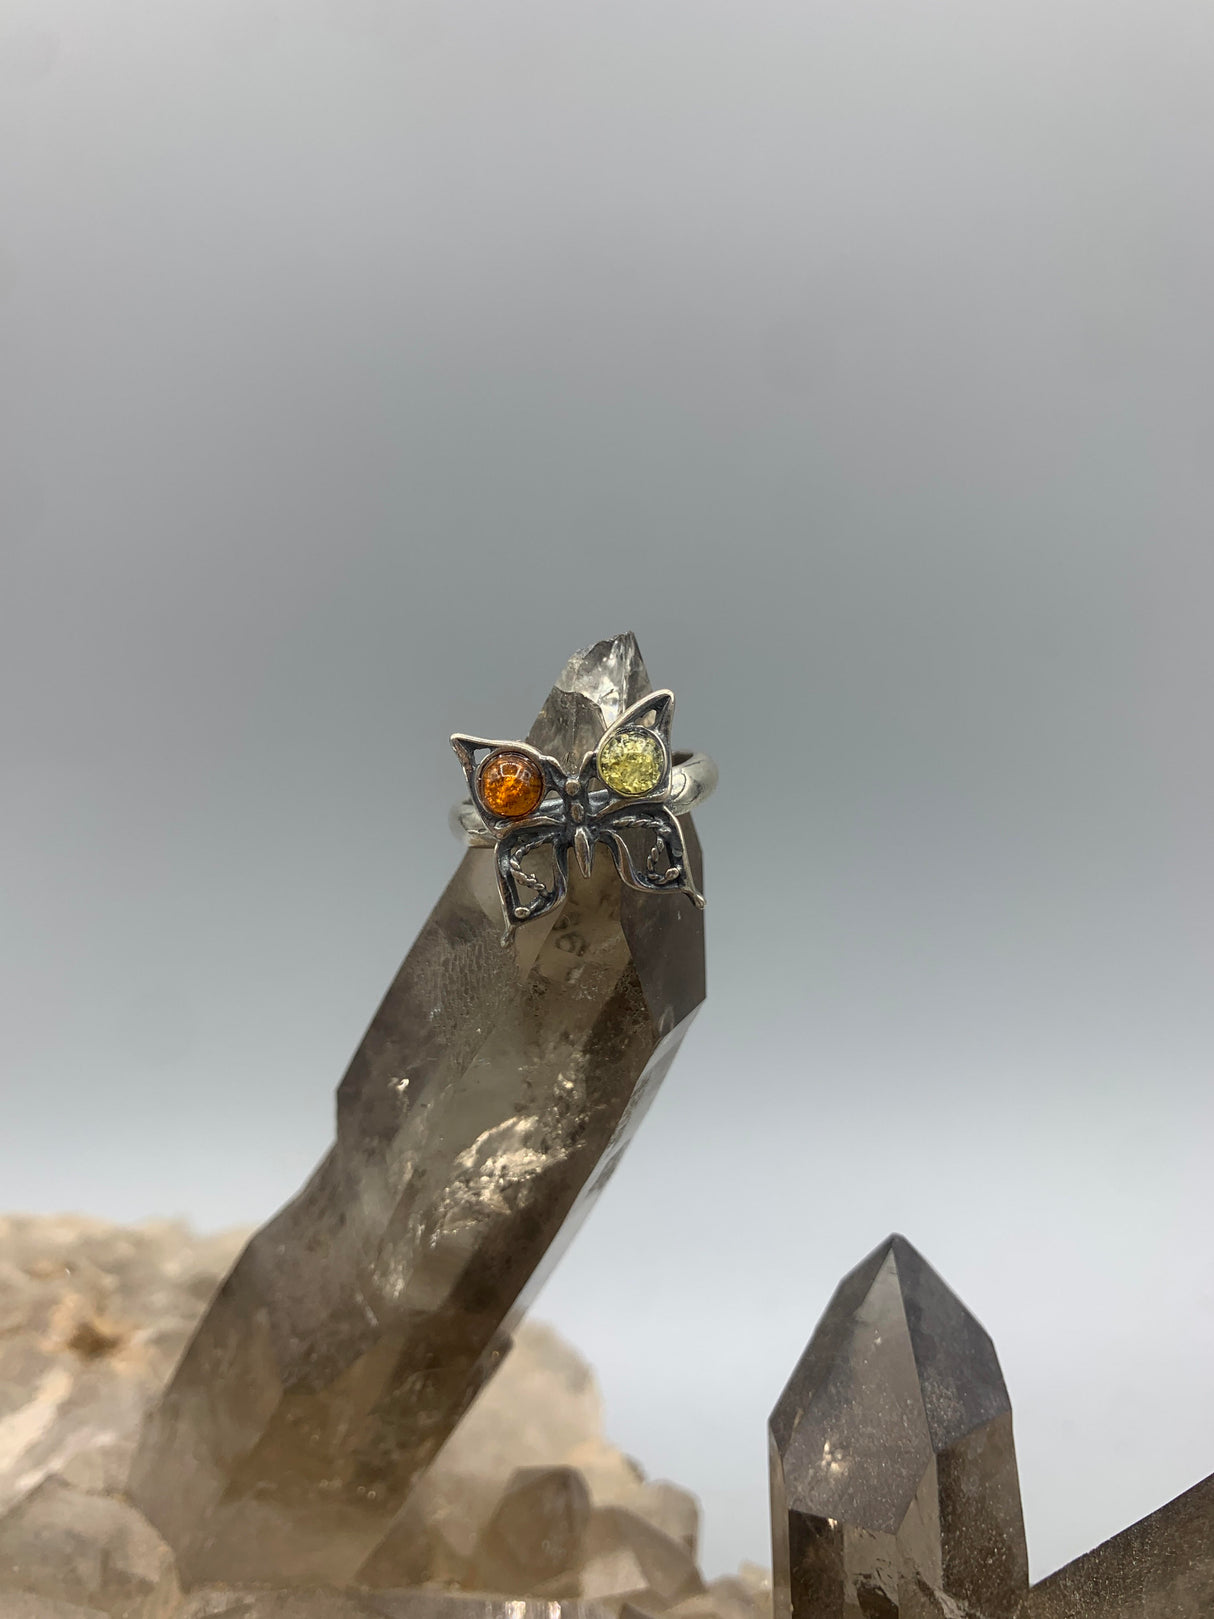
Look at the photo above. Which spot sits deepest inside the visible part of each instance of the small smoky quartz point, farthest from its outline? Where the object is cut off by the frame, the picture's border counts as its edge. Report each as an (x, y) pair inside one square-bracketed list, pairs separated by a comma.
[(893, 1471), (894, 1487), (487, 1104)]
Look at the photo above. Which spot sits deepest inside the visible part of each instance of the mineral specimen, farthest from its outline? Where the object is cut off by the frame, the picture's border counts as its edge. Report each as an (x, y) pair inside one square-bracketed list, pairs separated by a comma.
[(92, 1318), (628, 1556), (892, 1457), (894, 1485), (535, 1540), (1160, 1568), (488, 1102), (63, 1543), (527, 1481)]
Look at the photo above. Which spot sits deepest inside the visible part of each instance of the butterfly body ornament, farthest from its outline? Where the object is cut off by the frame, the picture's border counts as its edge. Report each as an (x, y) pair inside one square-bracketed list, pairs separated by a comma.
[(624, 796)]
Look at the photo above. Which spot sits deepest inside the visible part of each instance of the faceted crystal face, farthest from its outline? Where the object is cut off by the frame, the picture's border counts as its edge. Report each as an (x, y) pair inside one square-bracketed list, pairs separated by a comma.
[(628, 1557), (533, 1544), (66, 1546), (631, 762), (894, 1492), (490, 1098), (892, 1462)]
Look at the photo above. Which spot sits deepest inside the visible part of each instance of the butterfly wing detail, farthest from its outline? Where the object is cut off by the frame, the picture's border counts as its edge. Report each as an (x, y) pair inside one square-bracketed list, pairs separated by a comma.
[(655, 712), (665, 867), (651, 715), (526, 803), (516, 831), (473, 751), (515, 879)]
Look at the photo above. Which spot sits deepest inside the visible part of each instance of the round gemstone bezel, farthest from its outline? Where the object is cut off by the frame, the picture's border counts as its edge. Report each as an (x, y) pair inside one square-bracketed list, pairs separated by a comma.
[(662, 753), (531, 763)]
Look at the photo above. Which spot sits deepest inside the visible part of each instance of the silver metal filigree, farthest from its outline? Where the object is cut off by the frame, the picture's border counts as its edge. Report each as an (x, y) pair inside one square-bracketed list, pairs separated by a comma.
[(577, 813)]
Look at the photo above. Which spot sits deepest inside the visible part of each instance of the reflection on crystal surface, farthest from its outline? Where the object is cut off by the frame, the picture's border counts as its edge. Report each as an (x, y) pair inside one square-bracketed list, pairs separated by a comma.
[(487, 1103)]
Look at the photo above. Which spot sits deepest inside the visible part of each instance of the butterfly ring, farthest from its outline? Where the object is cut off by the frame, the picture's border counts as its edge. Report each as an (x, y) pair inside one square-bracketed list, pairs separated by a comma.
[(628, 793)]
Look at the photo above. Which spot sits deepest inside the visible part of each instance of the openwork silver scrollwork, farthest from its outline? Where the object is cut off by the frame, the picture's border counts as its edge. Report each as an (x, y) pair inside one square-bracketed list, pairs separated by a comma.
[(627, 794)]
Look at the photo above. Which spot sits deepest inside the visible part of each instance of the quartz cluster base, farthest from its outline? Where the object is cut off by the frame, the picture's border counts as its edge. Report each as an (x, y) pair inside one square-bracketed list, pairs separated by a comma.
[(527, 1513), (895, 1493)]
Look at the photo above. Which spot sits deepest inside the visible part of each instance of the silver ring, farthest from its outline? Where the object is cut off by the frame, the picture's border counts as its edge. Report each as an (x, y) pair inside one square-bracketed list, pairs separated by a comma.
[(627, 795)]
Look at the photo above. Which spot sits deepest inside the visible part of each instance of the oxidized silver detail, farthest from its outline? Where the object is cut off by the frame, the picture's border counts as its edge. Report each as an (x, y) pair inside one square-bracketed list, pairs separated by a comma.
[(577, 813)]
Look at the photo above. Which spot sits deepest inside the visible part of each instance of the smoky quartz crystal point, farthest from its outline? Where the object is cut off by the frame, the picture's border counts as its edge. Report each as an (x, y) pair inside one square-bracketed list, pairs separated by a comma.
[(893, 1472), (894, 1488), (486, 1106)]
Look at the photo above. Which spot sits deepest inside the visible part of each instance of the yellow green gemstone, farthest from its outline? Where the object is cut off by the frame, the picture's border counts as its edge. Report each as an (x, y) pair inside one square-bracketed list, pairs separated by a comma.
[(631, 763)]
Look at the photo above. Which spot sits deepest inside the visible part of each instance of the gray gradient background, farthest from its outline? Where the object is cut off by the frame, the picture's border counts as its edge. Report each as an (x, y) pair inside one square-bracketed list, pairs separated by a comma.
[(359, 360)]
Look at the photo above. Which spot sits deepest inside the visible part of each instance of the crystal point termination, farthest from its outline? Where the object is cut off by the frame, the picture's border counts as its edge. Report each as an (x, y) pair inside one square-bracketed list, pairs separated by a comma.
[(892, 1462), (486, 1105), (894, 1489)]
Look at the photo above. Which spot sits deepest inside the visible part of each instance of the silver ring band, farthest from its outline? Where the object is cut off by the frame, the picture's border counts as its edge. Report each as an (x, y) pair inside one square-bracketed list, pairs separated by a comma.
[(690, 783)]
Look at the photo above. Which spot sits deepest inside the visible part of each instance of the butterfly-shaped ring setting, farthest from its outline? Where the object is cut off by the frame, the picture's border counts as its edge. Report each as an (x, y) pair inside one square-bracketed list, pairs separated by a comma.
[(627, 794)]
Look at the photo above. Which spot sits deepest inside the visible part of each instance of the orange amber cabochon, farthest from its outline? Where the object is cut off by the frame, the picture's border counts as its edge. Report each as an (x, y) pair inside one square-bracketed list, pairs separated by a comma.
[(510, 784)]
